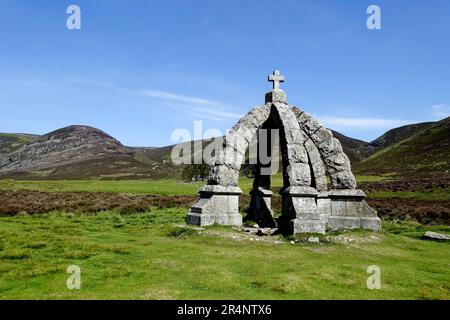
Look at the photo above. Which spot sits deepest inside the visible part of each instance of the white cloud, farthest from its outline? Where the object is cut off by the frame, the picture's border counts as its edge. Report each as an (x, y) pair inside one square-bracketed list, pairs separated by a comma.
[(164, 95), (362, 122), (440, 110), (197, 107), (225, 114)]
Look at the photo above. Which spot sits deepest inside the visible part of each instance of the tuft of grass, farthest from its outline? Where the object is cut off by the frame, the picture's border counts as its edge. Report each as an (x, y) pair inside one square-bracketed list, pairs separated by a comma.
[(36, 245), (119, 248), (180, 232), (15, 254)]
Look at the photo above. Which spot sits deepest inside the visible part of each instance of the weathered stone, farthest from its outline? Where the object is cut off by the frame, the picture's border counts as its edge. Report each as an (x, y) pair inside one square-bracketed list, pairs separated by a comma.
[(301, 191), (251, 231), (321, 183), (314, 156), (217, 204), (266, 231), (319, 169), (244, 131), (299, 211), (329, 147), (308, 226), (337, 162), (324, 205), (342, 180), (297, 111), (311, 126), (321, 135), (297, 153), (296, 136), (436, 236), (236, 142), (320, 178), (303, 117), (223, 175), (347, 193), (230, 157), (299, 174), (276, 96), (351, 222), (314, 240), (256, 117)]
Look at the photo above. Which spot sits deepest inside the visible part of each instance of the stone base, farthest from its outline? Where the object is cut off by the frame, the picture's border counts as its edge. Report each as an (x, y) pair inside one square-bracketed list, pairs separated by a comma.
[(373, 224), (348, 210), (347, 223), (217, 204), (199, 219), (202, 220), (294, 226), (299, 211), (276, 95), (260, 208)]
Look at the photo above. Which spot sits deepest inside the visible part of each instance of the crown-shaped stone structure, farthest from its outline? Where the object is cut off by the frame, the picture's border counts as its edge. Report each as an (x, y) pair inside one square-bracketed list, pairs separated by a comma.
[(311, 157)]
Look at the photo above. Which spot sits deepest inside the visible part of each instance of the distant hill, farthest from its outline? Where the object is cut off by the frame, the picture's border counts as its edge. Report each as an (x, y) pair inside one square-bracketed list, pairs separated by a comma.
[(395, 135), (78, 152), (423, 147)]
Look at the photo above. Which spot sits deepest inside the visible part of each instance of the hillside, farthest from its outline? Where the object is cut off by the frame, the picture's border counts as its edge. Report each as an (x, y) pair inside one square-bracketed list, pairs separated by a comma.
[(423, 151), (395, 135), (10, 142), (76, 152)]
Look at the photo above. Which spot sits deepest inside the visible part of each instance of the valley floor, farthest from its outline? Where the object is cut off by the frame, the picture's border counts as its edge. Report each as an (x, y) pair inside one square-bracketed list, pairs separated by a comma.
[(129, 240), (149, 256)]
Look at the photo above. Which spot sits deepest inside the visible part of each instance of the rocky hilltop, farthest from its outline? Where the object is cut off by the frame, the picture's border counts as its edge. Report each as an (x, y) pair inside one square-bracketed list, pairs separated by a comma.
[(61, 147), (77, 152)]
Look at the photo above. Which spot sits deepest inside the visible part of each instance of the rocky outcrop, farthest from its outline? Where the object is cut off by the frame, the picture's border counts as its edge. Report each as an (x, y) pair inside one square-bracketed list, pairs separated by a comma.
[(64, 146)]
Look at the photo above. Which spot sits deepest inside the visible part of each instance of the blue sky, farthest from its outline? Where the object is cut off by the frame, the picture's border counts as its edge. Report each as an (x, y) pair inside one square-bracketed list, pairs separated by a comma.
[(141, 69)]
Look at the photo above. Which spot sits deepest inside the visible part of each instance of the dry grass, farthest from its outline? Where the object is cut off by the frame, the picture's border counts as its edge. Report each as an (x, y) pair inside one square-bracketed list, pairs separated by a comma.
[(35, 202)]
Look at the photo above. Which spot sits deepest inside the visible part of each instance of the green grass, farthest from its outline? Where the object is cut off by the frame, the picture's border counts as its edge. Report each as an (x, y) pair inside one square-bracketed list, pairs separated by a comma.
[(148, 256), (424, 195), (160, 187)]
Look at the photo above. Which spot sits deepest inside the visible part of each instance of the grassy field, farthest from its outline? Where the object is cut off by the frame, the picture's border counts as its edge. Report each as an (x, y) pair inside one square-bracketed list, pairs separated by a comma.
[(160, 187), (425, 195), (147, 256)]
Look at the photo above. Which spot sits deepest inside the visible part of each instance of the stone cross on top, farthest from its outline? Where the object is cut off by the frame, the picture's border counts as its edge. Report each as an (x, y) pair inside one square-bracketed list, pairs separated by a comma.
[(276, 78)]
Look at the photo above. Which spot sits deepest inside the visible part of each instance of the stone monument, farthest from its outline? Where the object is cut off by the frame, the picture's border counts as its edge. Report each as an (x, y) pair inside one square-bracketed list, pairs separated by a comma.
[(309, 154)]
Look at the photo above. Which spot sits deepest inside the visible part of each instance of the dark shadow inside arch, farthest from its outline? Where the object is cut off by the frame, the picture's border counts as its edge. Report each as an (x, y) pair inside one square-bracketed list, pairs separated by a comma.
[(259, 209)]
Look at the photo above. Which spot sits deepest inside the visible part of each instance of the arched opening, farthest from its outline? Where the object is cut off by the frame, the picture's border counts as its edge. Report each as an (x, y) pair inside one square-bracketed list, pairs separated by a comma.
[(267, 150)]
